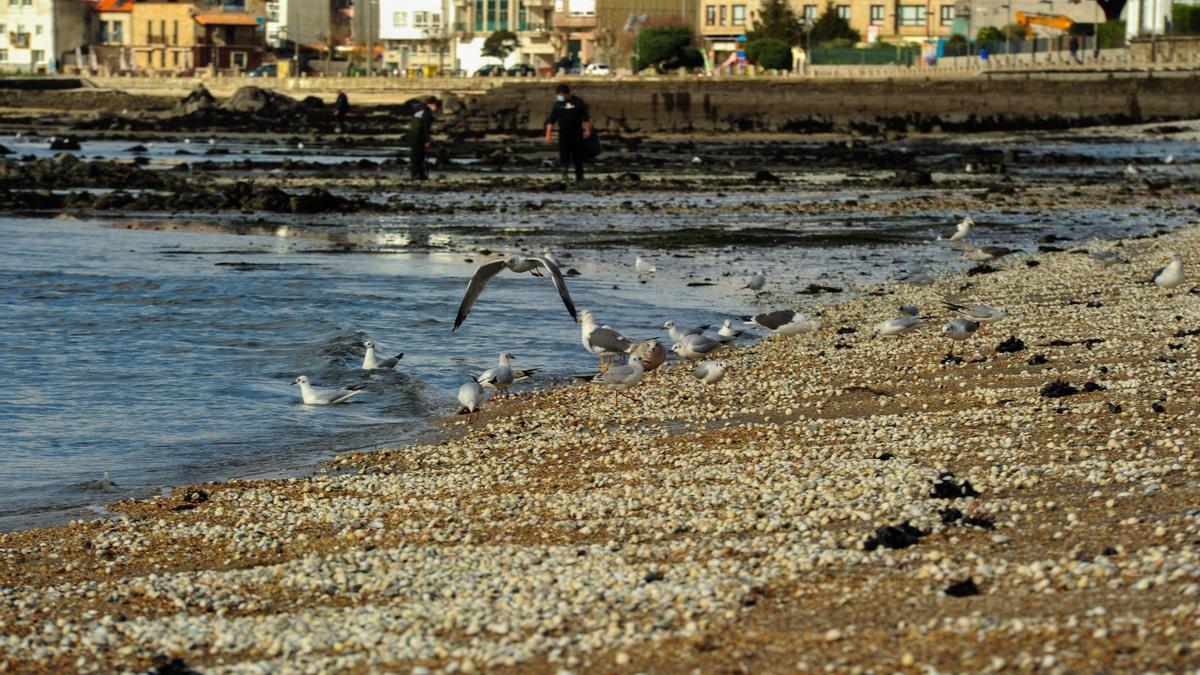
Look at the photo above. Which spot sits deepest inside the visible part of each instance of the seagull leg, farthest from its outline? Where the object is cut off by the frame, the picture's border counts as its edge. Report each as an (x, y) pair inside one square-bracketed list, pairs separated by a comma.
[(630, 397)]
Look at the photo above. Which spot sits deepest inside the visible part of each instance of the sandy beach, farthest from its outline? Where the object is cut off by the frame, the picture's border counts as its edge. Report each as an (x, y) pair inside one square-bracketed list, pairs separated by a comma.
[(734, 528)]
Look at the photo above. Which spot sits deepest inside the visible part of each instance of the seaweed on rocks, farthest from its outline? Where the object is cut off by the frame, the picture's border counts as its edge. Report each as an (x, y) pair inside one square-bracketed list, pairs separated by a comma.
[(1058, 389), (894, 536), (962, 589), (948, 487), (1012, 345)]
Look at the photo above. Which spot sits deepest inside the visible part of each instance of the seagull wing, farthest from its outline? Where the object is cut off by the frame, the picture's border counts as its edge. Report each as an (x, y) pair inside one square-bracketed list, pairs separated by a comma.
[(339, 395), (559, 283), (610, 341), (615, 375), (701, 371), (482, 275)]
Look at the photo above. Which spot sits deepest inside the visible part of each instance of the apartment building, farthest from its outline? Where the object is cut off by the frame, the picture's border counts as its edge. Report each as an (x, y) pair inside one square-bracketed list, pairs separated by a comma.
[(37, 35), (594, 31), (417, 35), (531, 20)]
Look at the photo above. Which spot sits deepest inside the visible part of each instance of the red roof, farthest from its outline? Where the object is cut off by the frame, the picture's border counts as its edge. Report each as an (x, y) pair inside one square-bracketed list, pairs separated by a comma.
[(226, 19), (113, 6)]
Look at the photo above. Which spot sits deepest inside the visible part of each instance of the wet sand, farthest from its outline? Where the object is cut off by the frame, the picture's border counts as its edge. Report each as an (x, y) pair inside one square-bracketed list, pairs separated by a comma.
[(719, 528)]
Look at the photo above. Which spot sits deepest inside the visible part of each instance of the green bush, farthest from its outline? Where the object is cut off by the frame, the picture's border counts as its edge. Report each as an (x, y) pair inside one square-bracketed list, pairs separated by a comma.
[(773, 54), (666, 48), (989, 34), (830, 27), (1111, 34), (1186, 19)]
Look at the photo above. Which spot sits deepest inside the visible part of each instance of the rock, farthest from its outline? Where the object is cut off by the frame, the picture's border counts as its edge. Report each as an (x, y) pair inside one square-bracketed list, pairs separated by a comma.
[(1037, 360), (962, 589), (982, 522), (894, 536), (982, 268), (199, 99), (1113, 408), (1058, 389), (256, 100), (764, 176), (64, 143), (4, 151), (817, 289), (912, 178), (1093, 386), (1157, 407), (946, 487), (651, 577), (1012, 345)]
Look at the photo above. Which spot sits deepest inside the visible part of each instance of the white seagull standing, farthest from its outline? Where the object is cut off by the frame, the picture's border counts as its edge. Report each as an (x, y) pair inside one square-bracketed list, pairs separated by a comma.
[(620, 378), (693, 347), (961, 230), (756, 282), (602, 342), (499, 378), (372, 362), (728, 331), (1106, 258), (783, 322), (977, 313), (515, 263), (316, 396), (470, 395), (677, 334), (710, 372), (900, 325), (959, 330), (1170, 276), (643, 268)]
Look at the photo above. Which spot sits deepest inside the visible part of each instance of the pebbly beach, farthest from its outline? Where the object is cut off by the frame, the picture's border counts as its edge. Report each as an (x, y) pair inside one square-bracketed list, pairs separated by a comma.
[(839, 501)]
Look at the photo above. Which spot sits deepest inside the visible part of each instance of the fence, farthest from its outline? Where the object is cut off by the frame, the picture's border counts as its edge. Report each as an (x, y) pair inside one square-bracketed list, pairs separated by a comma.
[(892, 55)]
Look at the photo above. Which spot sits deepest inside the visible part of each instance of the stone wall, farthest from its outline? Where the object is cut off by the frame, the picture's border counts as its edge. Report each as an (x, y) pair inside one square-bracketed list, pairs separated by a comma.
[(1182, 50), (868, 106)]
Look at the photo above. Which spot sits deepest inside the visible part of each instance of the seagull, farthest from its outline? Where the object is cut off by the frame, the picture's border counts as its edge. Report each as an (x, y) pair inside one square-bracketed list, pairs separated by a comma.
[(371, 362), (959, 330), (470, 395), (710, 372), (1131, 170), (693, 347), (602, 342), (1170, 276), (519, 265), (677, 335), (910, 310), (317, 396), (650, 352), (499, 378), (697, 160), (783, 322), (900, 325), (1106, 258), (518, 376), (960, 232), (620, 378), (1169, 159), (988, 253), (643, 268), (756, 282), (977, 313), (549, 257), (728, 331), (917, 277)]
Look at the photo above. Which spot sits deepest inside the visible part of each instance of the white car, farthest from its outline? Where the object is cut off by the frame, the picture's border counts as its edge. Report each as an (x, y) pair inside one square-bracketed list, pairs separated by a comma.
[(597, 69)]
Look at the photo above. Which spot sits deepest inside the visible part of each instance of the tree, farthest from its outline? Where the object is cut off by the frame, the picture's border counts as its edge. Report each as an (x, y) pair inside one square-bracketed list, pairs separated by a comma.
[(439, 40), (500, 44), (777, 20), (768, 53), (606, 44), (667, 47), (829, 26)]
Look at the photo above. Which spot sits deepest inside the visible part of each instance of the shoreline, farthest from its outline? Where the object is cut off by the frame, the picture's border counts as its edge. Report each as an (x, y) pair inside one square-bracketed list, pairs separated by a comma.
[(705, 526)]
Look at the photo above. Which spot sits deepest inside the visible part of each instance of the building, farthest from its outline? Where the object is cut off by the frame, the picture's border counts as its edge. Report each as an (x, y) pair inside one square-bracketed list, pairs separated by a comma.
[(307, 22), (112, 34), (601, 31), (39, 35), (417, 35), (531, 20), (178, 37)]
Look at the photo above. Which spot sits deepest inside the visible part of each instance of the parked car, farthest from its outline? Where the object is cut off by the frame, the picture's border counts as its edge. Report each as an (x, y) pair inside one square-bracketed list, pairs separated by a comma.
[(268, 70), (522, 70), (490, 70), (597, 69)]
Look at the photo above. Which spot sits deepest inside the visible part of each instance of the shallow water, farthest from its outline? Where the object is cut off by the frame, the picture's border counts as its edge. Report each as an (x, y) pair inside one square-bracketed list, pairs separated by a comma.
[(164, 358)]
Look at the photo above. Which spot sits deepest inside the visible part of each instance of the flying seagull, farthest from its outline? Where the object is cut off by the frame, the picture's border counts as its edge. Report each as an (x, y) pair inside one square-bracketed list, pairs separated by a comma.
[(317, 396), (520, 265)]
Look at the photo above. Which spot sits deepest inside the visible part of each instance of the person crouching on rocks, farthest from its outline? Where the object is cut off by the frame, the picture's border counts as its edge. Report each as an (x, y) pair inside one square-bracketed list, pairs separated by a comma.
[(420, 137), (341, 106), (570, 113)]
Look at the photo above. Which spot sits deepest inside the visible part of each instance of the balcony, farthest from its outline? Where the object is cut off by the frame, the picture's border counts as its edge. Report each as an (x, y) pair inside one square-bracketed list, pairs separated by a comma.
[(566, 21), (538, 28), (18, 40)]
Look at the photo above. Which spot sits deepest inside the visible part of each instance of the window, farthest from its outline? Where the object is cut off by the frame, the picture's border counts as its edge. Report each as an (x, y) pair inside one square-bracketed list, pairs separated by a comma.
[(3, 55), (162, 32), (723, 14), (877, 15), (12, 3), (239, 60), (912, 15), (420, 19), (947, 15), (810, 13), (118, 32), (2, 29), (843, 12), (435, 18), (27, 3), (739, 15), (399, 19), (149, 30), (39, 56), (710, 15), (175, 36), (175, 59), (37, 30), (105, 32)]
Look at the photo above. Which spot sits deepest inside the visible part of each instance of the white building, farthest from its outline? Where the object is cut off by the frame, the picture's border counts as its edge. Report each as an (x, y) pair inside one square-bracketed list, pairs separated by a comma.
[(529, 19), (36, 34), (417, 34)]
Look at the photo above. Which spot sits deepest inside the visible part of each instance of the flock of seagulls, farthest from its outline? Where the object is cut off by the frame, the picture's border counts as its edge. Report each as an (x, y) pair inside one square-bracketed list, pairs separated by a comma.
[(624, 362)]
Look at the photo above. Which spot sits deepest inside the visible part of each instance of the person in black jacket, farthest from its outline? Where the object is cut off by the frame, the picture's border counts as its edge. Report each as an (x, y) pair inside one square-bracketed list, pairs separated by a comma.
[(570, 113), (340, 107), (420, 138)]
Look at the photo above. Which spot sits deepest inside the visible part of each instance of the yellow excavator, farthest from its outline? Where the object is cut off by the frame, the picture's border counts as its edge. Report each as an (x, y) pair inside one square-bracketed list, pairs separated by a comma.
[(1057, 22)]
